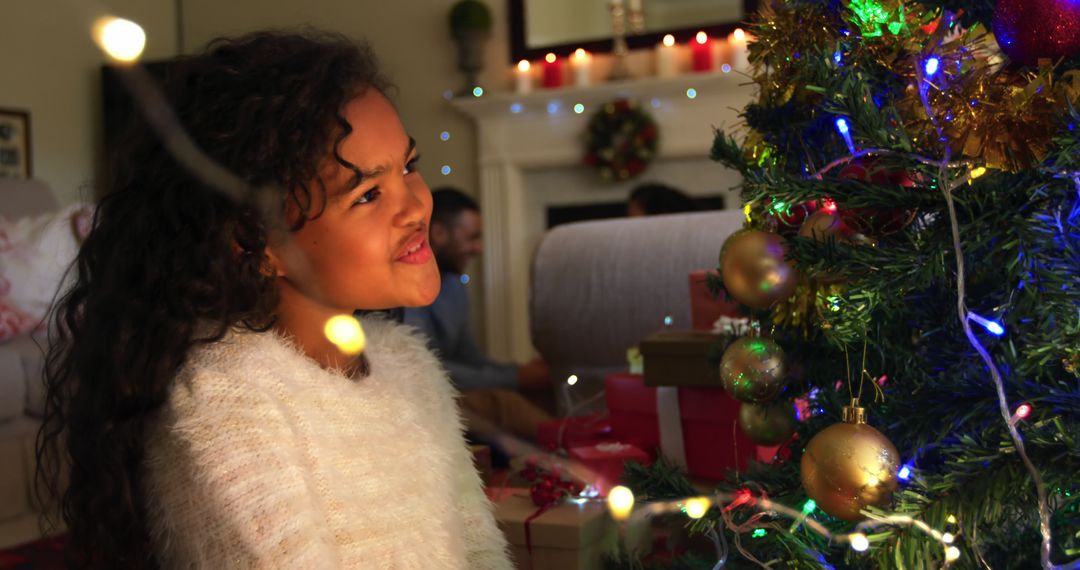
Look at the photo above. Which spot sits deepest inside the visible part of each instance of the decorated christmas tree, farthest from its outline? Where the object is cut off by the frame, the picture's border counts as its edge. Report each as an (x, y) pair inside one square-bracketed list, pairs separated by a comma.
[(911, 180)]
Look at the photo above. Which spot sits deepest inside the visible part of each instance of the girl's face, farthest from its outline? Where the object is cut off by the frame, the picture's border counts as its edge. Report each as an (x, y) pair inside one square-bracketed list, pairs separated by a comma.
[(369, 247)]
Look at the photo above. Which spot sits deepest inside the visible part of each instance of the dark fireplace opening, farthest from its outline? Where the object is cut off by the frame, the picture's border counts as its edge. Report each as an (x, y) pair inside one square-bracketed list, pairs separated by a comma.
[(559, 215)]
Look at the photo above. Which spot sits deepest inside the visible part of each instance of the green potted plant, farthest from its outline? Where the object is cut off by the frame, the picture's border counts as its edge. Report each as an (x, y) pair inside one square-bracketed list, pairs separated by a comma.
[(470, 23)]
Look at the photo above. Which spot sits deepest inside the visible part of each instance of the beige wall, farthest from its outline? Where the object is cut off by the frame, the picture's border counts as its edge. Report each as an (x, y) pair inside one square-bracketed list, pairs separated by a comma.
[(52, 69)]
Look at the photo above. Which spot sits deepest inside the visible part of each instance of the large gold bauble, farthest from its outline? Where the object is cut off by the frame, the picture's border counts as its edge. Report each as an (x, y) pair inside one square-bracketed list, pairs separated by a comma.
[(849, 466), (768, 424), (754, 268), (753, 369)]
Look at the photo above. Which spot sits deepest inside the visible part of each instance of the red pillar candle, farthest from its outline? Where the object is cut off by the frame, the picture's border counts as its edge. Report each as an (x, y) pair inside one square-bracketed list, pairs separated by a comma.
[(553, 71), (701, 49)]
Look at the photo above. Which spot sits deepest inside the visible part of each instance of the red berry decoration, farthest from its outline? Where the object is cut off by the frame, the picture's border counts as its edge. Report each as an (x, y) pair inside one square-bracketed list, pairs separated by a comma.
[(1028, 30)]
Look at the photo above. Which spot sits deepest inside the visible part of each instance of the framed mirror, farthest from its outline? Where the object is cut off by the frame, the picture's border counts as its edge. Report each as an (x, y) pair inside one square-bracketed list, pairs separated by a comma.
[(538, 27)]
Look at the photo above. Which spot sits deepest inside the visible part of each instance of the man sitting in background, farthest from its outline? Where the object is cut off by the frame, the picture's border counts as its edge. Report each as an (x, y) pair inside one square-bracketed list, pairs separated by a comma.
[(489, 389), (651, 199)]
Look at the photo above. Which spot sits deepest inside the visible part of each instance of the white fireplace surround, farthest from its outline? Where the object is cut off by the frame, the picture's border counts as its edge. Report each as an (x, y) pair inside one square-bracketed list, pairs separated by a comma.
[(530, 155)]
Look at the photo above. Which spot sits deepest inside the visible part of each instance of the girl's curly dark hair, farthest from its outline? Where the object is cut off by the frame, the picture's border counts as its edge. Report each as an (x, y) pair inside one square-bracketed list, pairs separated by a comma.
[(171, 263)]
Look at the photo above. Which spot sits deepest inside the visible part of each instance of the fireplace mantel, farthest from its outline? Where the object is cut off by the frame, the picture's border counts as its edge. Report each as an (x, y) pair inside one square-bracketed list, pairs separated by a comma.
[(521, 132)]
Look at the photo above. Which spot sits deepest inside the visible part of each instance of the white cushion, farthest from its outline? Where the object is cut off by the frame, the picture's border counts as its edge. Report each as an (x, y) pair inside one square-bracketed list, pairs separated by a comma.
[(35, 253)]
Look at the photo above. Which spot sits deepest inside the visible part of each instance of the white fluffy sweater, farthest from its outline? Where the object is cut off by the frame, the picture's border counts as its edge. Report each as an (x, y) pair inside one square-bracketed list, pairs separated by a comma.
[(262, 459)]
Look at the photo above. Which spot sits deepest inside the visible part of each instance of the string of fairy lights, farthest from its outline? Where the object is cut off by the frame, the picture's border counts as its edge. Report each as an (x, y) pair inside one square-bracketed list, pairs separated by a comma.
[(123, 41)]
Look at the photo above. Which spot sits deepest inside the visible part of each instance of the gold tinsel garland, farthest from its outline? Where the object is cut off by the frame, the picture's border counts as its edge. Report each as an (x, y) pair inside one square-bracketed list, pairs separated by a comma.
[(1000, 117)]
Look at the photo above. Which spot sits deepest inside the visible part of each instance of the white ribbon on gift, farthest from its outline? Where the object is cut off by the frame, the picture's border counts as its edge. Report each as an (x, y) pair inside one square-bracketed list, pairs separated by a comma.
[(671, 434)]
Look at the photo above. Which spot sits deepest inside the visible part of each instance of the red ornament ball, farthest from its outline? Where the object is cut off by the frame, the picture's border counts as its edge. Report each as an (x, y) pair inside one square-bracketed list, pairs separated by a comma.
[(1028, 30), (790, 219)]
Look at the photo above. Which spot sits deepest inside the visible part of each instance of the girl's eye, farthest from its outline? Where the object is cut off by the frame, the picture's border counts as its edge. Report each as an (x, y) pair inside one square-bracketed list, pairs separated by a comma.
[(412, 165), (368, 197)]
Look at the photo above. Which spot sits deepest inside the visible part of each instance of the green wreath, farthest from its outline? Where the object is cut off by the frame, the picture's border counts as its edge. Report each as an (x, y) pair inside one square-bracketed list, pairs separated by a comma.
[(620, 140)]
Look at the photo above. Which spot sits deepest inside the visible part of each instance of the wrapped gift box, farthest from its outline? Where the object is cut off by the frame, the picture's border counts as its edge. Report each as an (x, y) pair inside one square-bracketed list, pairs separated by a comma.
[(704, 308), (680, 358), (712, 440), (576, 432), (607, 461), (570, 536)]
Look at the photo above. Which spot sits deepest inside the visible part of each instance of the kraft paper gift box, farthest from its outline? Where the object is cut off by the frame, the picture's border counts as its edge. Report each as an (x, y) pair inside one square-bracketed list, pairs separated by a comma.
[(681, 358), (569, 536)]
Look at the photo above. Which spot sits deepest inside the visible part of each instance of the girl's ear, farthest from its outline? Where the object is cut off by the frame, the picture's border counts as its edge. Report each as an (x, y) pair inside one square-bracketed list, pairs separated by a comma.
[(275, 267)]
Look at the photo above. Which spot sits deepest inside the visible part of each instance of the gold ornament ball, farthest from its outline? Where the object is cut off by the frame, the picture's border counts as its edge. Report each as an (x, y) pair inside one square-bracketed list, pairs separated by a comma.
[(753, 370), (849, 466), (768, 424), (755, 271), (822, 226)]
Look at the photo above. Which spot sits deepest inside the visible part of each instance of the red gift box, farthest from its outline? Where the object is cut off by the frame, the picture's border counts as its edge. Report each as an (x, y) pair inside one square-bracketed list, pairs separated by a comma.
[(712, 441), (579, 431), (704, 308), (607, 461)]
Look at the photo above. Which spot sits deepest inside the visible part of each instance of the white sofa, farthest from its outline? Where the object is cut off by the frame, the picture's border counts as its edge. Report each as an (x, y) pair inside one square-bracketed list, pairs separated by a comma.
[(21, 393), (601, 287)]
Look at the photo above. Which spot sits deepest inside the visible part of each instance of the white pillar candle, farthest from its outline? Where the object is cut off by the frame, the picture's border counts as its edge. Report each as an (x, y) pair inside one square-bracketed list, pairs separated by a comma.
[(523, 80), (738, 51), (667, 57), (581, 63)]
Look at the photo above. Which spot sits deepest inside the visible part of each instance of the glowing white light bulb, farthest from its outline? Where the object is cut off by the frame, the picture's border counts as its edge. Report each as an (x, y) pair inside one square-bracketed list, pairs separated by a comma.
[(346, 334), (701, 38), (697, 507), (620, 502), (948, 538), (120, 39), (952, 554), (524, 65), (669, 40), (572, 379), (859, 542)]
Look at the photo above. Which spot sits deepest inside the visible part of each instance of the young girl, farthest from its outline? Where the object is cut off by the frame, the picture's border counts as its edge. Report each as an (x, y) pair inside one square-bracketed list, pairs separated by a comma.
[(203, 417)]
